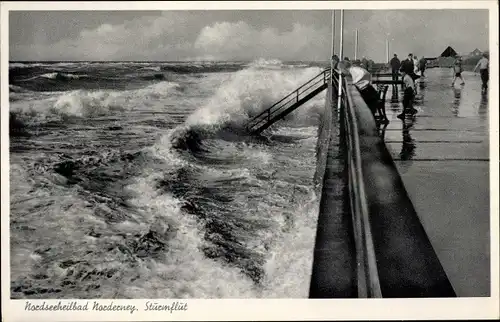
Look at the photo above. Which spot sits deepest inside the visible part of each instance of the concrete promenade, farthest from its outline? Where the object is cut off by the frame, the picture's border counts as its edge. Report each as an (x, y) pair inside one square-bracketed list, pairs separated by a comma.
[(442, 155)]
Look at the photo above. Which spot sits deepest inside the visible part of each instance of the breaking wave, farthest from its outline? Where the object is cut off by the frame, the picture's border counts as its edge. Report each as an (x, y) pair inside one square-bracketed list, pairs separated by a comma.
[(194, 209), (85, 103)]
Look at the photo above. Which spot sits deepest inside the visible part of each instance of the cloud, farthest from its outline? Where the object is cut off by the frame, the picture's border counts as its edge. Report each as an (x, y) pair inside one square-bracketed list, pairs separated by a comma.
[(192, 35), (239, 40), (155, 38), (165, 38)]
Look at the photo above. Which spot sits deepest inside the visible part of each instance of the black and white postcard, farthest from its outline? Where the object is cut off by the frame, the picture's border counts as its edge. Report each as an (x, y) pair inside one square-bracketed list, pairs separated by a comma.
[(249, 160)]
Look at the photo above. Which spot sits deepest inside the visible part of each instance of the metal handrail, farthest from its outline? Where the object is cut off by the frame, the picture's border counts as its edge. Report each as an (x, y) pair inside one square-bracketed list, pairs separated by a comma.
[(368, 279), (296, 93), (294, 96), (271, 113)]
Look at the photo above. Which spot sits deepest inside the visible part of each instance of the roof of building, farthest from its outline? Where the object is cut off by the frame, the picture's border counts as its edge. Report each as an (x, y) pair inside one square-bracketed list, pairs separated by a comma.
[(449, 52)]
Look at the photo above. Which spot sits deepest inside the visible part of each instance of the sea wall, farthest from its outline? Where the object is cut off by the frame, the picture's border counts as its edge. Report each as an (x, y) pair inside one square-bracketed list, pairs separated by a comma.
[(325, 129), (406, 263), (333, 273)]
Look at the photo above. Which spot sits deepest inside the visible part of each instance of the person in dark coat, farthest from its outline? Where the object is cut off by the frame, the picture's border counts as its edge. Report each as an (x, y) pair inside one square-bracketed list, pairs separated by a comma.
[(422, 65), (395, 66), (335, 61), (407, 65)]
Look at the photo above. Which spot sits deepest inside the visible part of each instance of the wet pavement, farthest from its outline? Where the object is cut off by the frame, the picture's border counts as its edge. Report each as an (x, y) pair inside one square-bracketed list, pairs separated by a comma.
[(442, 155)]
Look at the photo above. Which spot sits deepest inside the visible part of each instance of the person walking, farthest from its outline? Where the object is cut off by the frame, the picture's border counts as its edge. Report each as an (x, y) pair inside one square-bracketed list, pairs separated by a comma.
[(422, 65), (408, 95), (458, 69), (395, 66), (483, 65)]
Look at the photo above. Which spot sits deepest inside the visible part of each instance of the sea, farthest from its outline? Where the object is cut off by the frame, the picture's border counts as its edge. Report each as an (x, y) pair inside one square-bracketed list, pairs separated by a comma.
[(138, 180)]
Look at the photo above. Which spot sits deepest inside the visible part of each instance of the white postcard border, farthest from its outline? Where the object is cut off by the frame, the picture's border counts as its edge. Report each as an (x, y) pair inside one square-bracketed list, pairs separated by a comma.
[(249, 309)]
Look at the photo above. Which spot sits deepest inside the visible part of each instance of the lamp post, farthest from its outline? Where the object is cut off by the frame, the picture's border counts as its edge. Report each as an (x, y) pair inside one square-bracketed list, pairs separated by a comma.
[(341, 54), (333, 44), (387, 50), (356, 46)]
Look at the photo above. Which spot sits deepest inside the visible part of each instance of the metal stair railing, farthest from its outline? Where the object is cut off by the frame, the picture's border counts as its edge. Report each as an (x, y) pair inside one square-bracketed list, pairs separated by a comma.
[(288, 103)]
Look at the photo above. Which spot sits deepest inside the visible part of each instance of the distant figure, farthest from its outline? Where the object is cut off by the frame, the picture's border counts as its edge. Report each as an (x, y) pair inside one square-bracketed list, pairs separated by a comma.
[(335, 61), (458, 69), (409, 95), (415, 65), (483, 65), (395, 66), (408, 66), (344, 66), (369, 65), (422, 65), (364, 63)]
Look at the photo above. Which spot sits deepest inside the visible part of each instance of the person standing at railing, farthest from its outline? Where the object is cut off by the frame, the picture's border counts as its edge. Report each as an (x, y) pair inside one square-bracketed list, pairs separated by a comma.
[(335, 61), (395, 65), (364, 63), (362, 79), (483, 65), (409, 94)]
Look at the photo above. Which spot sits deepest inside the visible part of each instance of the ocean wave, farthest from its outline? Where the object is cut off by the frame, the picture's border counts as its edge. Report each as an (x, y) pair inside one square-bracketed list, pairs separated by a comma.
[(205, 67), (62, 76), (154, 68), (18, 89), (25, 65), (55, 76), (216, 188), (84, 103), (204, 195), (87, 104), (48, 64), (246, 93), (157, 76), (266, 63)]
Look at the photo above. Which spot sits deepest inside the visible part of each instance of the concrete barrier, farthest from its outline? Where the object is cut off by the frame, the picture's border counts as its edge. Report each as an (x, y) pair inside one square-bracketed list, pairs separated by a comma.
[(406, 263), (324, 133), (334, 264)]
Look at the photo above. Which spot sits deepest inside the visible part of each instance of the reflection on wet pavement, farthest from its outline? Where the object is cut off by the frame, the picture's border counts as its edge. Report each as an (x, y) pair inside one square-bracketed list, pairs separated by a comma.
[(442, 155)]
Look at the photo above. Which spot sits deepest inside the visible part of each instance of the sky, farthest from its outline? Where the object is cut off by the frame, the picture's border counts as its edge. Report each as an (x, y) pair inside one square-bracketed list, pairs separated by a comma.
[(239, 34)]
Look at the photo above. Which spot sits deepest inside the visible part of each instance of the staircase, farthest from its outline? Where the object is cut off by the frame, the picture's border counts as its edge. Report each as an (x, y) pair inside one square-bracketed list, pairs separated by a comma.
[(289, 103)]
